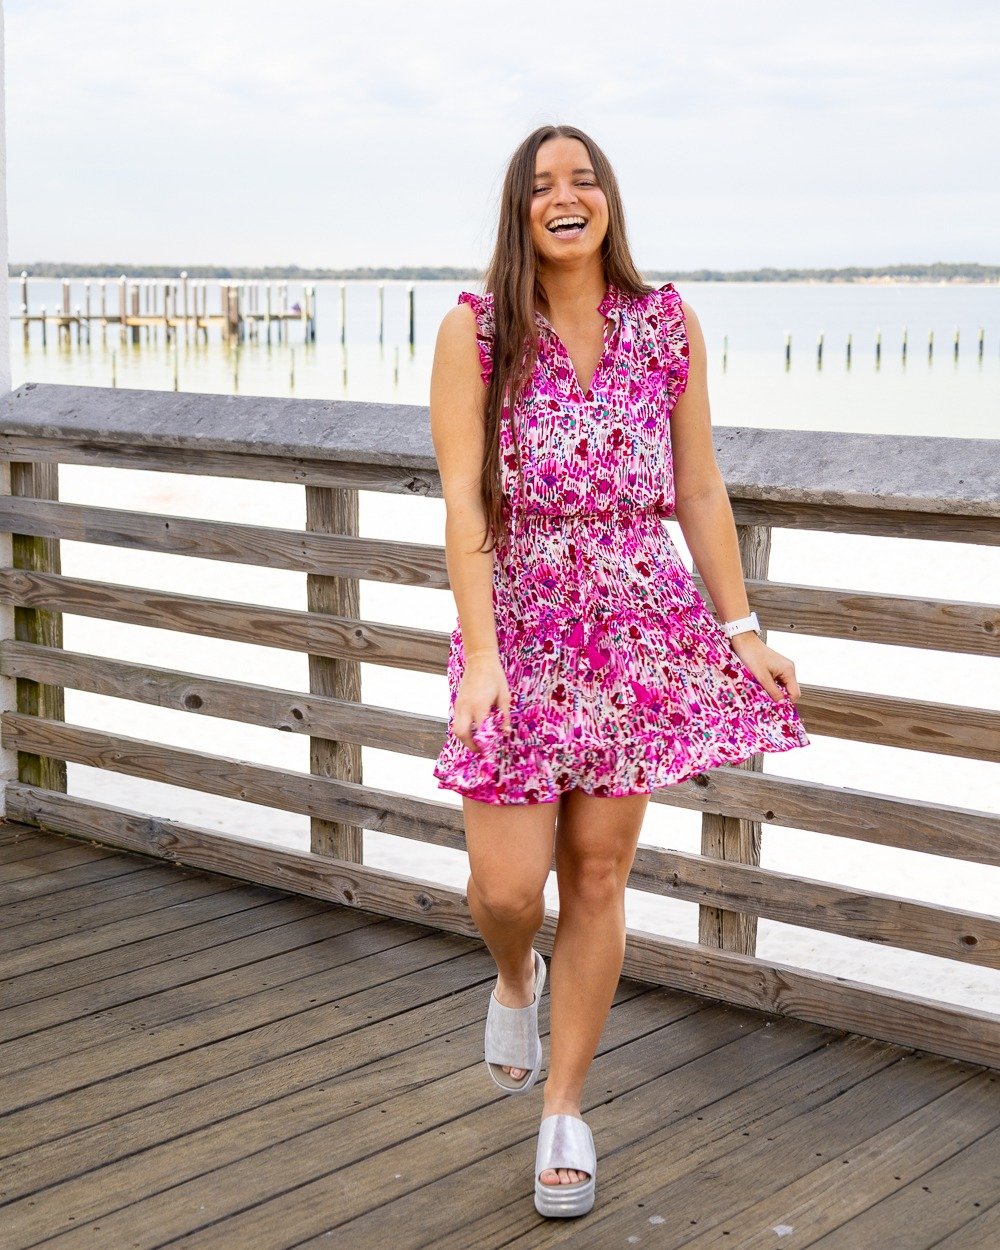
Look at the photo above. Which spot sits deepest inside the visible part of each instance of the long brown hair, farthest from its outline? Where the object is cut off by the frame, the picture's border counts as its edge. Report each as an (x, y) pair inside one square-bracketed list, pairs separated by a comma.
[(512, 278)]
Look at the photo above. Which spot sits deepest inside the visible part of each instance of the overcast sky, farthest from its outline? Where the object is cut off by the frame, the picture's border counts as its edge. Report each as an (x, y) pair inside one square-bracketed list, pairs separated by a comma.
[(316, 132)]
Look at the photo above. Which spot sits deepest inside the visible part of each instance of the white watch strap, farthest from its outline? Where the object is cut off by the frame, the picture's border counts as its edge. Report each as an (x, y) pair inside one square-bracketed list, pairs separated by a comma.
[(742, 625)]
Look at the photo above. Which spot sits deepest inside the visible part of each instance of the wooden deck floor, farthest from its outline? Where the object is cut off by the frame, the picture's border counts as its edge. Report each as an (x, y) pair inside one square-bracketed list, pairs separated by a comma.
[(189, 1059)]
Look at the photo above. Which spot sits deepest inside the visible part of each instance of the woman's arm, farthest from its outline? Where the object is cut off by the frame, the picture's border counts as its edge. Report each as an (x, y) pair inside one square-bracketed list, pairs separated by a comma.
[(705, 515), (457, 404)]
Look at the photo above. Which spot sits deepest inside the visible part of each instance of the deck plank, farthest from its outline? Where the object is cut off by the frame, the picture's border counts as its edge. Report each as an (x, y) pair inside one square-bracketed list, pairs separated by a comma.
[(193, 1057)]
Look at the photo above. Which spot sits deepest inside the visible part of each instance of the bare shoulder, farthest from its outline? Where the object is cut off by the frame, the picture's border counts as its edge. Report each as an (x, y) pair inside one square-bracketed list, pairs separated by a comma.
[(458, 327), (690, 316)]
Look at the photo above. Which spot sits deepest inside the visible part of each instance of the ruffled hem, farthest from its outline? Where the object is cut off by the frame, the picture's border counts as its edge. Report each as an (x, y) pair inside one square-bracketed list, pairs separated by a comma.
[(624, 706), (499, 776)]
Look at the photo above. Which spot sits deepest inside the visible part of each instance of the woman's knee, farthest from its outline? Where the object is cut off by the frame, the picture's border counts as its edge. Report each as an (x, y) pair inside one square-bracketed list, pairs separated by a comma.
[(508, 901), (595, 881)]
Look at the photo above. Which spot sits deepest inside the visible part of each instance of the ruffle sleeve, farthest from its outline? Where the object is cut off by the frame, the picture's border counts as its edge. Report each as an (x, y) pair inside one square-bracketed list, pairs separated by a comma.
[(673, 341), (482, 306)]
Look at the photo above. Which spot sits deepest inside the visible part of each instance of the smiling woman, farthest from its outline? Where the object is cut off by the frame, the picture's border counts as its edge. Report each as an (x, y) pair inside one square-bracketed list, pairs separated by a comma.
[(586, 669)]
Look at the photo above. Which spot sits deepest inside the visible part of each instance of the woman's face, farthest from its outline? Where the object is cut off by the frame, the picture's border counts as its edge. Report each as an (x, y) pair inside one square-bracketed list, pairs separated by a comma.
[(565, 186)]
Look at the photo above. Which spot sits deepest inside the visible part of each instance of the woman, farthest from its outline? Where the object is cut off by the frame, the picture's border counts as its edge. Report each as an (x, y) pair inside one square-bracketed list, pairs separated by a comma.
[(586, 670)]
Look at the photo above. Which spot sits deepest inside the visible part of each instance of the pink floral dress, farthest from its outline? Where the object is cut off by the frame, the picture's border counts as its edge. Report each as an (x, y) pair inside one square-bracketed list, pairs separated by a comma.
[(622, 681)]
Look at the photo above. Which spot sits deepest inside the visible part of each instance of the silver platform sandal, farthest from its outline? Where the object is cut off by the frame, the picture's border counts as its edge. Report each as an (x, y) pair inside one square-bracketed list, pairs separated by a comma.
[(512, 1038), (565, 1141)]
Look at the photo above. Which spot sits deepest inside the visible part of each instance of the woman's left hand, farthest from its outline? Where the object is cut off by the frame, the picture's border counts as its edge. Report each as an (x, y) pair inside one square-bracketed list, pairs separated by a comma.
[(774, 671)]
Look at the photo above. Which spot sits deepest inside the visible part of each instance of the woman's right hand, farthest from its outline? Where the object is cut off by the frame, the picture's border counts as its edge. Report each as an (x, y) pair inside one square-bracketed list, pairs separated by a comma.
[(483, 686)]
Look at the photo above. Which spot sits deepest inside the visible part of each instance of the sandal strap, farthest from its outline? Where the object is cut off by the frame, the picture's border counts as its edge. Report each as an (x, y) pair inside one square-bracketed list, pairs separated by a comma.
[(512, 1032), (565, 1141)]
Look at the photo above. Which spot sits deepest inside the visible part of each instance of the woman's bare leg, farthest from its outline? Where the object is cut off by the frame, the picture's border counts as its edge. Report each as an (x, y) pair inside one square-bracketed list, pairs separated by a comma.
[(595, 848), (510, 855)]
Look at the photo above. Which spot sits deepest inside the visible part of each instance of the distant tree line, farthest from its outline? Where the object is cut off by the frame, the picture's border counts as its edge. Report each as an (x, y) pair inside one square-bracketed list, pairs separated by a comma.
[(940, 271)]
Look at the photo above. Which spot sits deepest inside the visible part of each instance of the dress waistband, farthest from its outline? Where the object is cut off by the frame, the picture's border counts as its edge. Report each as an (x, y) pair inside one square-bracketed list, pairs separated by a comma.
[(616, 516)]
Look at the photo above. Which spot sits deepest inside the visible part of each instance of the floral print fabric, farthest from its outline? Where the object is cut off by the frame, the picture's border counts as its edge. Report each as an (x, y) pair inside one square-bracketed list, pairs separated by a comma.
[(622, 681)]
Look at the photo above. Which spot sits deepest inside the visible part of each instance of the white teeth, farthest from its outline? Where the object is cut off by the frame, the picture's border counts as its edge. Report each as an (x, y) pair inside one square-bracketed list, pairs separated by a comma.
[(566, 221)]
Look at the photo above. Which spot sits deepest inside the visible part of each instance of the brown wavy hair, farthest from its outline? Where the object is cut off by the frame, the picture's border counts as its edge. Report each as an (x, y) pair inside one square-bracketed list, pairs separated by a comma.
[(512, 278)]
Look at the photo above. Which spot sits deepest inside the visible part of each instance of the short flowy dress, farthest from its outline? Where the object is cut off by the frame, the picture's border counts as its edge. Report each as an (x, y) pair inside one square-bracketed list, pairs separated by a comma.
[(622, 680)]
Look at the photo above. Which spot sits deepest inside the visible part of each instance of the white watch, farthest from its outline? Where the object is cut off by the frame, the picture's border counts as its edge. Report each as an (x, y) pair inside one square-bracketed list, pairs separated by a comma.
[(742, 625)]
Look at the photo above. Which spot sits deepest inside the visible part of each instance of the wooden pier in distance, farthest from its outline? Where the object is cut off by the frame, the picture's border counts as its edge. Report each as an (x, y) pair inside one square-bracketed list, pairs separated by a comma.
[(247, 310)]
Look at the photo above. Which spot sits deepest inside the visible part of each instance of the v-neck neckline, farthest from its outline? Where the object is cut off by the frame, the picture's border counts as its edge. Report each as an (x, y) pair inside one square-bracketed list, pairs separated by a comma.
[(608, 307)]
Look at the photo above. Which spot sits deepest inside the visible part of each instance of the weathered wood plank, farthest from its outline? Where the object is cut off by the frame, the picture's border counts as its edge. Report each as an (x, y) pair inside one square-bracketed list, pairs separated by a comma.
[(382, 983), (319, 1186), (744, 889), (273, 946), (855, 616), (34, 625), (809, 1173), (723, 837), (864, 816), (331, 512), (953, 933), (981, 1233), (945, 1157), (676, 1130), (914, 724), (146, 1180), (744, 980), (73, 962), (366, 641), (406, 564), (897, 620), (163, 888)]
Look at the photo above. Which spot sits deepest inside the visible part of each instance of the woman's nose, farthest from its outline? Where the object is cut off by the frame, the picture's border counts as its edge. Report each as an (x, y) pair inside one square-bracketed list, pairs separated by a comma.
[(566, 195)]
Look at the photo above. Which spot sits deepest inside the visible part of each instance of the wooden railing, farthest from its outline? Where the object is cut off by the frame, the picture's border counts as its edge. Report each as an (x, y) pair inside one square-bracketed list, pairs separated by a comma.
[(924, 488)]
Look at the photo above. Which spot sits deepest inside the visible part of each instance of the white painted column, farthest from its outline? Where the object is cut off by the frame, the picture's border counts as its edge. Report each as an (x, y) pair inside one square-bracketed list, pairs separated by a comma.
[(8, 687)]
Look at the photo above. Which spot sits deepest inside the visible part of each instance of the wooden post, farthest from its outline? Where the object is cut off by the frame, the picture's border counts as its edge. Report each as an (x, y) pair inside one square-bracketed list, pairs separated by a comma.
[(381, 314), (727, 837), (334, 511), (25, 324), (122, 307), (413, 319), (184, 299), (135, 312), (38, 555)]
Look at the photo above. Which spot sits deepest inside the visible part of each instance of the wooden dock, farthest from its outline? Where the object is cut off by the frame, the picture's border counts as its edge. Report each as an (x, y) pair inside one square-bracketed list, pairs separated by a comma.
[(247, 310), (195, 1059)]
